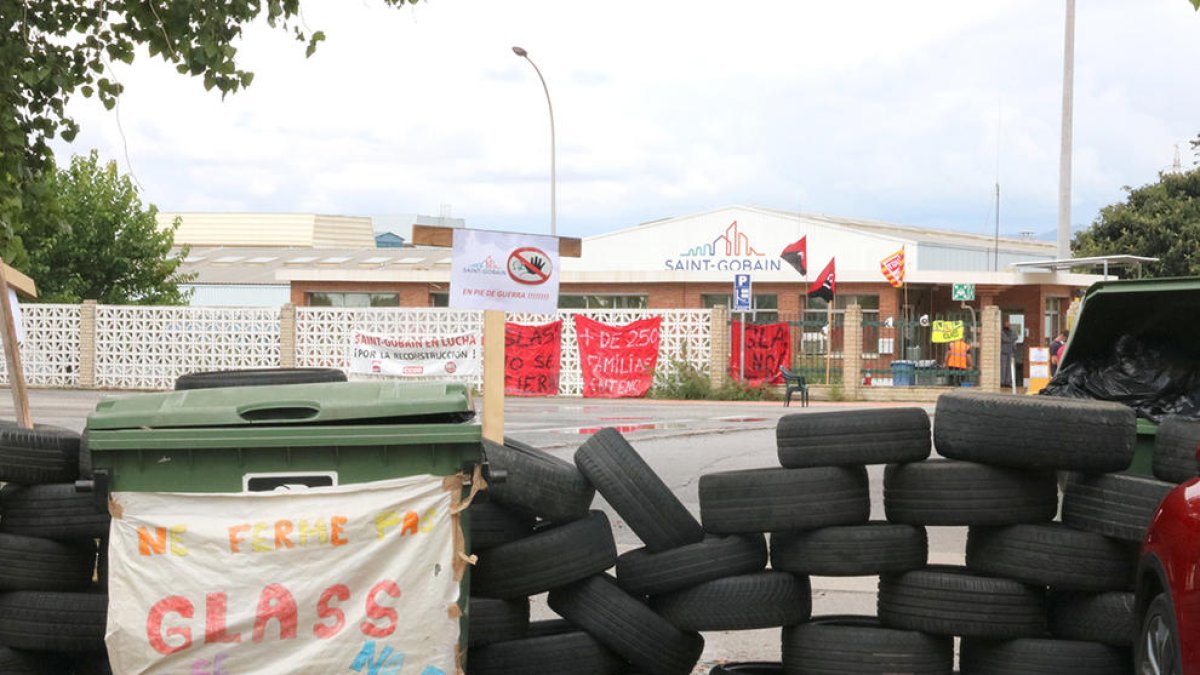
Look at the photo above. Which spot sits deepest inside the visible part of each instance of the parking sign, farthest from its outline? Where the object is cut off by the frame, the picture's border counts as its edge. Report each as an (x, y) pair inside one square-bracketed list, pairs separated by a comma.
[(741, 293)]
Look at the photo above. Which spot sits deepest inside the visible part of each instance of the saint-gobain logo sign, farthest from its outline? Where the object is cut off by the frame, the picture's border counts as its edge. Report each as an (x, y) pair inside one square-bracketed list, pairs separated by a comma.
[(529, 265), (730, 251)]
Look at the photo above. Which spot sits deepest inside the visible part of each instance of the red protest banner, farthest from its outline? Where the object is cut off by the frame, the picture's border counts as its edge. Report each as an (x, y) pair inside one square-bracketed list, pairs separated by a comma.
[(617, 361), (532, 357), (767, 347)]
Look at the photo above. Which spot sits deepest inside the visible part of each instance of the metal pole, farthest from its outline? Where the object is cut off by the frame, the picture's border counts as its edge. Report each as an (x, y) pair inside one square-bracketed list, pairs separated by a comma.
[(742, 354), (553, 170), (1064, 160)]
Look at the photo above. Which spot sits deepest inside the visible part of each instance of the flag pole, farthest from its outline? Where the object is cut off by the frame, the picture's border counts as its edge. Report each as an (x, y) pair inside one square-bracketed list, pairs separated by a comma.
[(829, 351)]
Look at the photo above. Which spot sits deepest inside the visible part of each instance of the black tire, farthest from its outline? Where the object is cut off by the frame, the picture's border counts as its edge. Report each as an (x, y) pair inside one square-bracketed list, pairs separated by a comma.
[(636, 493), (760, 600), (547, 559), (853, 645), (640, 572), (21, 662), (492, 620), (43, 454), (851, 437), (492, 524), (1110, 618), (1175, 445), (748, 668), (91, 663), (85, 457), (32, 564), (945, 600), (1158, 639), (1035, 432), (254, 377), (573, 653), (52, 512), (1039, 656), (550, 627), (851, 550), (55, 622), (538, 483), (1114, 505), (1052, 554), (627, 626), (950, 492), (770, 500)]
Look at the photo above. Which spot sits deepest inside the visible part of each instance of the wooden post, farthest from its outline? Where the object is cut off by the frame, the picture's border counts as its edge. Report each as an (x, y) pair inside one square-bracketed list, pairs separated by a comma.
[(10, 277), (493, 375)]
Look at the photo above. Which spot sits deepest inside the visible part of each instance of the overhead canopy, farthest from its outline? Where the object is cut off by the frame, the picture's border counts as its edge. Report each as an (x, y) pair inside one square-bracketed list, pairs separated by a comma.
[(1105, 261)]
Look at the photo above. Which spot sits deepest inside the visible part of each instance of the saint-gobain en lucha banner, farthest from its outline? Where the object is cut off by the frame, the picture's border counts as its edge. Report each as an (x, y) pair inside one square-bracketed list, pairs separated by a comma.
[(348, 579)]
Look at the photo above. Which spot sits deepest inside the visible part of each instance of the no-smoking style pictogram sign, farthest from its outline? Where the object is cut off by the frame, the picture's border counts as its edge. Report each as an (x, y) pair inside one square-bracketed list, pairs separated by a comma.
[(529, 265)]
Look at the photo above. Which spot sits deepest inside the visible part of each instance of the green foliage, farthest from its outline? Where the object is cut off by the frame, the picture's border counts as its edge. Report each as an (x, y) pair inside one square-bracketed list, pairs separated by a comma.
[(689, 383), (1160, 220), (87, 237), (52, 49), (1196, 4)]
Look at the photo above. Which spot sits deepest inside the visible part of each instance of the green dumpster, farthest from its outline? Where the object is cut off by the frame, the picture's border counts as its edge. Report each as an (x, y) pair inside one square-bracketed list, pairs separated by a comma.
[(1163, 312), (296, 484)]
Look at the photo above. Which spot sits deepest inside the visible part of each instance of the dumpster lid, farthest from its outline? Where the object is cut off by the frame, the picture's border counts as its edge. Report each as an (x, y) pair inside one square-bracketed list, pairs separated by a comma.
[(376, 402), (1155, 309)]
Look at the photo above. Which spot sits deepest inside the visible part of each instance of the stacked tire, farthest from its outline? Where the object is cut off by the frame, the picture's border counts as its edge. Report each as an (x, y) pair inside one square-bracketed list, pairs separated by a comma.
[(53, 602)]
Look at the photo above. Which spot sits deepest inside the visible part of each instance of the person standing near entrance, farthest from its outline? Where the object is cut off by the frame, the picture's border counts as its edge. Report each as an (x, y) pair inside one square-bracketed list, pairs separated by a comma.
[(958, 361), (1008, 342), (1057, 346)]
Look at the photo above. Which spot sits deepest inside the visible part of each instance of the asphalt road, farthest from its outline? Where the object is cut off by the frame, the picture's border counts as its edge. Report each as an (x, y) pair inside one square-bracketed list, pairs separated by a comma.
[(680, 440)]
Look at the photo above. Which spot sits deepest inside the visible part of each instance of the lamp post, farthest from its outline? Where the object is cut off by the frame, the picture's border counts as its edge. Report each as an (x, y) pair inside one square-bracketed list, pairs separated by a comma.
[(525, 55)]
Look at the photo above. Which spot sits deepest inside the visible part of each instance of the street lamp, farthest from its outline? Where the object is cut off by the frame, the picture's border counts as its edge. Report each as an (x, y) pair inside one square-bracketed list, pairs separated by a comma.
[(525, 55)]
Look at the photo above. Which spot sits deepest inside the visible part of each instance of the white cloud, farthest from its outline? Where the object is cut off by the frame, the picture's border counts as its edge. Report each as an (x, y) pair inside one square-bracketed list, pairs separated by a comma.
[(863, 108)]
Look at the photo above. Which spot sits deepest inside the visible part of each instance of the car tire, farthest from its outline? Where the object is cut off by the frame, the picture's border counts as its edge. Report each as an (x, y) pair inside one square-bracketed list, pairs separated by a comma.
[(34, 564), (572, 653), (492, 524), (254, 377), (627, 626), (1110, 618), (1114, 505), (636, 493), (43, 454), (952, 492), (1175, 445), (54, 511), (493, 620), (640, 572), (24, 662), (770, 500), (766, 599), (547, 559), (1040, 656), (538, 483), (851, 550), (851, 437), (859, 645), (52, 621), (1039, 432), (748, 668), (945, 600), (1158, 639), (1051, 554)]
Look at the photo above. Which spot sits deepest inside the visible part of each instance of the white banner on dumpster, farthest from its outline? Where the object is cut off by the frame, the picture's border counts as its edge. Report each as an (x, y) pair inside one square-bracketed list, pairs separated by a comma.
[(437, 355), (348, 579)]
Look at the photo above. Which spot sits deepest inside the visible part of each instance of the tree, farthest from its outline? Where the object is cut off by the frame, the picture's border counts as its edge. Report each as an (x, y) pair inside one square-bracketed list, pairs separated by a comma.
[(1160, 220), (52, 49), (87, 237)]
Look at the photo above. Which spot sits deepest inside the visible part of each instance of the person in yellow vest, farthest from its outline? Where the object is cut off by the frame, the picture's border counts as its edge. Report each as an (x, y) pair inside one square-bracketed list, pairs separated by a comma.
[(958, 361)]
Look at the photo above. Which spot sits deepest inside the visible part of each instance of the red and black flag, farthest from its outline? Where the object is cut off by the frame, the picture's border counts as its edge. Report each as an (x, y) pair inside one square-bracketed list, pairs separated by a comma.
[(826, 285), (796, 255)]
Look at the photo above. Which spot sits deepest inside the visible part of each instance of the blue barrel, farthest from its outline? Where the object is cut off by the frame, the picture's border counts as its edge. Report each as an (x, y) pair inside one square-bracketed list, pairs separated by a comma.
[(903, 373)]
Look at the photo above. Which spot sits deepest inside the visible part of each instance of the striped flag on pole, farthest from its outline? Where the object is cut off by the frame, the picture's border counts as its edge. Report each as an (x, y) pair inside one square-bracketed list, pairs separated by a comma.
[(893, 268)]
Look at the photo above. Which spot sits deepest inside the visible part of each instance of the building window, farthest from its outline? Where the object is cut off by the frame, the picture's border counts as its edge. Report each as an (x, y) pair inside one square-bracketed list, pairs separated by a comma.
[(439, 299), (603, 301), (325, 299), (764, 307)]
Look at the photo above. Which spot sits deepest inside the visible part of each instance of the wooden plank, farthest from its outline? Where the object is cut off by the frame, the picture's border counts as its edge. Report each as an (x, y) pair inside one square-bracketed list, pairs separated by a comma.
[(19, 281), (440, 236), (493, 375), (12, 353)]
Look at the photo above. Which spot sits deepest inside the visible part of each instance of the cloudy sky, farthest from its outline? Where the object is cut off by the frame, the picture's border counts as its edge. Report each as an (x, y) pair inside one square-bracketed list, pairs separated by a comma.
[(908, 112)]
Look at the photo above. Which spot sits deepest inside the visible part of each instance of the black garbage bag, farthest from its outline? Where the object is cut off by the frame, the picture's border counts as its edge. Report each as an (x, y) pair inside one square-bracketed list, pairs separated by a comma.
[(1155, 377)]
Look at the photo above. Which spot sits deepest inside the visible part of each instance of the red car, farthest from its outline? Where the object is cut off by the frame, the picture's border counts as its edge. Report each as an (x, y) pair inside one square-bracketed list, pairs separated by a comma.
[(1168, 587)]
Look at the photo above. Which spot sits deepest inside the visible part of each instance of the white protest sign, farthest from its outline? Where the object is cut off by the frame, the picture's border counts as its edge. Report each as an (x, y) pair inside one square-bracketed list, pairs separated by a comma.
[(351, 579), (416, 356), (504, 271)]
